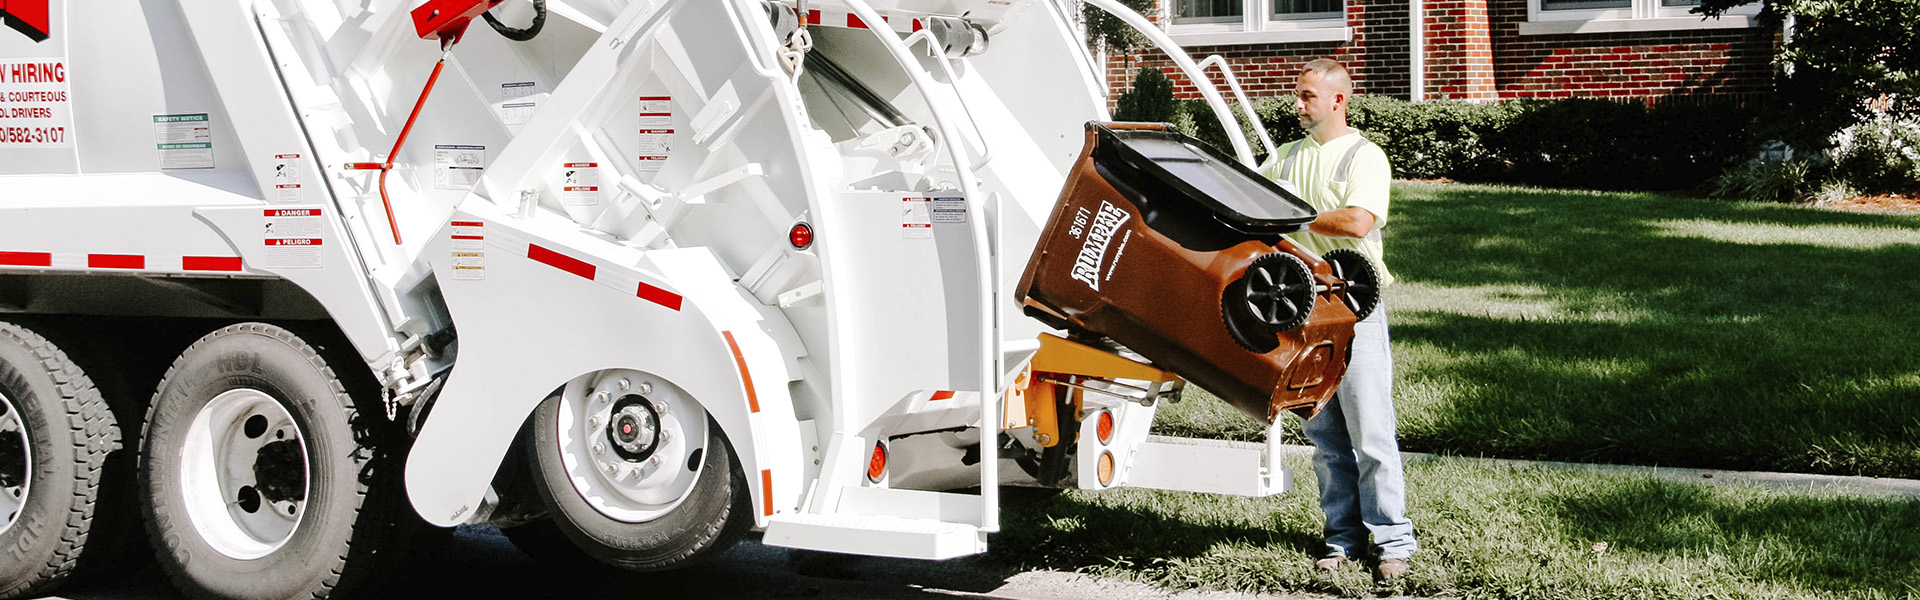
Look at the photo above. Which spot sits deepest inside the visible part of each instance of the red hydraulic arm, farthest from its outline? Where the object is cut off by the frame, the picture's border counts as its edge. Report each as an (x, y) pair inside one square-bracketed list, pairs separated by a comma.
[(444, 20)]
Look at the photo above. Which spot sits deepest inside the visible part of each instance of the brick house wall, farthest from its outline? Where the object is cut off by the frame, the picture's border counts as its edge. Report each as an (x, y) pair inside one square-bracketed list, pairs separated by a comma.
[(1474, 50)]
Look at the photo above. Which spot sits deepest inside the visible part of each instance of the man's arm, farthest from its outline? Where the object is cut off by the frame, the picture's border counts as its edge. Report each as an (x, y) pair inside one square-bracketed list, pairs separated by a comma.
[(1350, 222)]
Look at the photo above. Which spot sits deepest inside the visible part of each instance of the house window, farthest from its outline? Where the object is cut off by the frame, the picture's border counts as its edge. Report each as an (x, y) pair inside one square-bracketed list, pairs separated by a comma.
[(1208, 11), (1307, 9), (1605, 16), (1225, 22)]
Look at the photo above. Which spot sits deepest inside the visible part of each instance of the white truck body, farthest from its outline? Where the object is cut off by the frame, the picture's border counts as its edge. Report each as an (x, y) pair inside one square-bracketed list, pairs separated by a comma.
[(608, 207)]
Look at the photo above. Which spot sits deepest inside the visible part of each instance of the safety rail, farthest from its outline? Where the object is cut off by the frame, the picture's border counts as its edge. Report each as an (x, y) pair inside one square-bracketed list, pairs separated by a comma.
[(1246, 108), (1187, 66)]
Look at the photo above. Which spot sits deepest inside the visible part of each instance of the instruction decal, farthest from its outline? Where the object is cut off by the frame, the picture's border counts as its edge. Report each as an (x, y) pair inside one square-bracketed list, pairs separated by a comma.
[(34, 107), (286, 178), (949, 210), (293, 237), (916, 218), (469, 251), (458, 167), (185, 141), (518, 102), (580, 184)]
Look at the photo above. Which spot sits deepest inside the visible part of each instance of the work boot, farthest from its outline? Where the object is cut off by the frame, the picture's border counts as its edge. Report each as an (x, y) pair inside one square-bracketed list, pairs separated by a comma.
[(1331, 563), (1392, 568)]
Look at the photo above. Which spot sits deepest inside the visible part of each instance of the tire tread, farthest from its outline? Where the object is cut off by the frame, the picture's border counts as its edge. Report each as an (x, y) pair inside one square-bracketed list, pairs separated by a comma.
[(87, 413)]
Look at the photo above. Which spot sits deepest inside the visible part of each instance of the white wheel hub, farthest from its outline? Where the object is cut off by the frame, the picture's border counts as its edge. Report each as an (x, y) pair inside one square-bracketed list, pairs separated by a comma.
[(245, 474), (16, 464), (630, 443)]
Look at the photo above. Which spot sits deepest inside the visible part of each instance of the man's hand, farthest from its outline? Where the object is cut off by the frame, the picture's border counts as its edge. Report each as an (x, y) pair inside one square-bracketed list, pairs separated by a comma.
[(1350, 222)]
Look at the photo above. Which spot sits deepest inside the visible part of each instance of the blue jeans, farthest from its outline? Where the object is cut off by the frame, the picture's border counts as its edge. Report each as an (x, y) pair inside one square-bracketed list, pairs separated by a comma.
[(1356, 455)]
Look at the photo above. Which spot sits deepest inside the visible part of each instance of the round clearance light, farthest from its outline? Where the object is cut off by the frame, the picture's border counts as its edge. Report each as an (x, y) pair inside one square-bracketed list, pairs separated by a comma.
[(801, 236), (1103, 426), (877, 465), (1104, 469)]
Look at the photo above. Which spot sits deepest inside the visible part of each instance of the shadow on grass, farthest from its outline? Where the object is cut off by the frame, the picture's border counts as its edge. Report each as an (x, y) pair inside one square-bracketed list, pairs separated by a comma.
[(1641, 328), (1788, 542)]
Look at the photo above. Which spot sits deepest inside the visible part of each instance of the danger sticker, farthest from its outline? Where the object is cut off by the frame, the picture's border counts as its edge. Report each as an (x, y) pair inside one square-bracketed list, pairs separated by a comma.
[(185, 141), (293, 238), (286, 178), (580, 184), (916, 218), (34, 107)]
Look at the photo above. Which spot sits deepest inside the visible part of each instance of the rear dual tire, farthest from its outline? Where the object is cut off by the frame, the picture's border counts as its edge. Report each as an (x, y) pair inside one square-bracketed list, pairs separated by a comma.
[(260, 474), (55, 434)]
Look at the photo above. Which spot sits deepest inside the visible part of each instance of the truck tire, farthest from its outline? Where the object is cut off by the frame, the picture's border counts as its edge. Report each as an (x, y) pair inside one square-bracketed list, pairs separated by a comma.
[(55, 433), (259, 473), (635, 521)]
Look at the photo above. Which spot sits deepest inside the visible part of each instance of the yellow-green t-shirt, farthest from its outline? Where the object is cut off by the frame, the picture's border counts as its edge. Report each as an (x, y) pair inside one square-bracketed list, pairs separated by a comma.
[(1368, 182)]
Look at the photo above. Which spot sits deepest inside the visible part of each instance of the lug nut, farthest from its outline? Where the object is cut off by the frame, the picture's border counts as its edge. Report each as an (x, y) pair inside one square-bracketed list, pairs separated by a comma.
[(600, 397), (593, 422), (625, 385), (646, 388), (613, 470), (599, 448)]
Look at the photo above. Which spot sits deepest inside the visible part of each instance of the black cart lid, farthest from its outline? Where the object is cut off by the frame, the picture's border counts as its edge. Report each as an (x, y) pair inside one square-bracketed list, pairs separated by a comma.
[(1239, 197)]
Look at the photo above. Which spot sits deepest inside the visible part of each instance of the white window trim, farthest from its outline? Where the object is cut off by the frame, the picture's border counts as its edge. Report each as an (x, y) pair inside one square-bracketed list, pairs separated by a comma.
[(1643, 15), (1257, 26)]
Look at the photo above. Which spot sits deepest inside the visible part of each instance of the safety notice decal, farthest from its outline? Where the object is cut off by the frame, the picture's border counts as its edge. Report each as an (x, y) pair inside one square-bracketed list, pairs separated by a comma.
[(469, 250), (34, 107), (656, 134), (185, 141), (916, 218), (949, 210), (458, 167), (581, 184), (518, 102), (286, 178), (293, 238)]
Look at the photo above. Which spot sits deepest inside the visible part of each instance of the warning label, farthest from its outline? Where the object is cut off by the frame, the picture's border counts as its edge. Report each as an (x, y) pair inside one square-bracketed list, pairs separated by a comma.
[(293, 237), (35, 110), (286, 178), (581, 184), (469, 253), (458, 167), (916, 219), (518, 102), (185, 141)]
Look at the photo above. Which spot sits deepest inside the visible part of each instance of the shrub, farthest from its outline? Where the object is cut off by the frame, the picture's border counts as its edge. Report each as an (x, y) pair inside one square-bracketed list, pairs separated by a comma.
[(1150, 100), (1768, 181), (1587, 143), (1879, 155)]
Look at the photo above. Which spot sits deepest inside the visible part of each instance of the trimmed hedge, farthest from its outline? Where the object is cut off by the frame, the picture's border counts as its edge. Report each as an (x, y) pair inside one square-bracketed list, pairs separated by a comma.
[(1585, 143)]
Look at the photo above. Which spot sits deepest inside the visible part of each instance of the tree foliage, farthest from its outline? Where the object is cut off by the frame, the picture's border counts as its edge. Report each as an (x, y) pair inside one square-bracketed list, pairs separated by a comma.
[(1150, 100), (1106, 30), (1843, 56)]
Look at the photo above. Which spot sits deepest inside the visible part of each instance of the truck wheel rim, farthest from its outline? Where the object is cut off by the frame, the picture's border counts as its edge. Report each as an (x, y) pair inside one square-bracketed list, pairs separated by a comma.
[(631, 445), (243, 491), (16, 464)]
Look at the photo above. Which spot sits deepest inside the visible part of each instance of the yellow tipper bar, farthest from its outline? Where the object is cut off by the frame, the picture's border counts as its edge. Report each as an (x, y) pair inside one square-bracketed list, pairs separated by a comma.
[(1068, 357)]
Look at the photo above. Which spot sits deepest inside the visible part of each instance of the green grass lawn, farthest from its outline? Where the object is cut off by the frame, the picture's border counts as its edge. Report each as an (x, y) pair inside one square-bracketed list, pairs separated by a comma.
[(1649, 329), (1496, 532)]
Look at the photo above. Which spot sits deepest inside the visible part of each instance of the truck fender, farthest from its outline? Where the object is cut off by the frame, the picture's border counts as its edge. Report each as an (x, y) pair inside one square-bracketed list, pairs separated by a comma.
[(549, 304)]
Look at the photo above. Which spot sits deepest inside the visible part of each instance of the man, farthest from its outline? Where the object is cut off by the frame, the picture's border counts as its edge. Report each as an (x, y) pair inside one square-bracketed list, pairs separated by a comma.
[(1356, 458)]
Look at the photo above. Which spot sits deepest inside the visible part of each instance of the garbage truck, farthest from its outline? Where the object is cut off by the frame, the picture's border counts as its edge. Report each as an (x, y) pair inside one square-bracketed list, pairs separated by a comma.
[(284, 282)]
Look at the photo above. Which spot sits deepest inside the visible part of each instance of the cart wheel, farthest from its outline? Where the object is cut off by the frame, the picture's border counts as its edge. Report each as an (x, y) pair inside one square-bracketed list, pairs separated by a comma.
[(1363, 280), (636, 474), (1274, 296), (260, 475), (55, 433)]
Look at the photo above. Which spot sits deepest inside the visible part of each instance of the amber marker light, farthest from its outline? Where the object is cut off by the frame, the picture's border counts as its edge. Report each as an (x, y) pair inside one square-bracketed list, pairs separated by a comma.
[(877, 466), (801, 235), (1103, 426), (1104, 469)]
